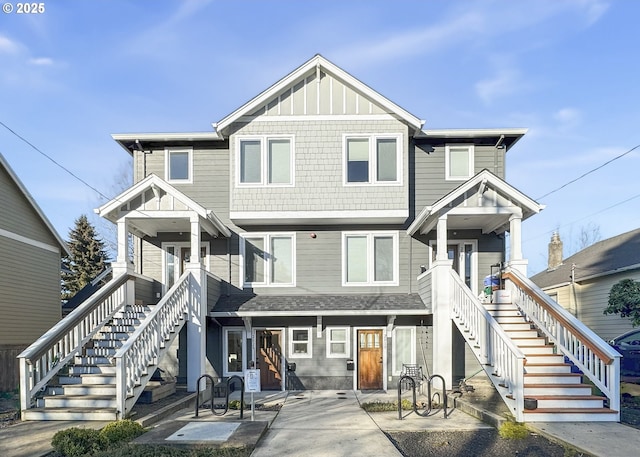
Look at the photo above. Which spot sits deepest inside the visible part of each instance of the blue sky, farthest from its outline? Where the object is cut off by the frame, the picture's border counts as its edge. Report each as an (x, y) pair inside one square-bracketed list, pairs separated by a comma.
[(566, 70)]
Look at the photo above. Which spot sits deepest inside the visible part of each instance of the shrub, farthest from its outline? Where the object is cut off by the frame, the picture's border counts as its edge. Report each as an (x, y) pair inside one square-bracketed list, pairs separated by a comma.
[(122, 430), (77, 442), (235, 404), (513, 431)]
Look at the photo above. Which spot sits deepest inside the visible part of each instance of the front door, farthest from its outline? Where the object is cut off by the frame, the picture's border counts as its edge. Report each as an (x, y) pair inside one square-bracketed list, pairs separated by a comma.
[(370, 360), (269, 358)]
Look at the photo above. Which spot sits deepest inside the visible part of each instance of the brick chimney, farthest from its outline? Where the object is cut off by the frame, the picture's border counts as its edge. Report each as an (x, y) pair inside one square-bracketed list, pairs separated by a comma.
[(555, 252)]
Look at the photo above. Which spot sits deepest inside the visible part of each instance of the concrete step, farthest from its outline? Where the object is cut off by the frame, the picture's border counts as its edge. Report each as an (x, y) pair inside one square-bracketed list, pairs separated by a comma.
[(66, 414), (552, 378), (533, 390), (571, 415), (80, 401)]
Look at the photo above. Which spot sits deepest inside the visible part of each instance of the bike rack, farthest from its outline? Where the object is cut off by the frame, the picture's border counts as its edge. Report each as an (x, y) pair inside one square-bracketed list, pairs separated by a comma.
[(429, 396), (226, 403)]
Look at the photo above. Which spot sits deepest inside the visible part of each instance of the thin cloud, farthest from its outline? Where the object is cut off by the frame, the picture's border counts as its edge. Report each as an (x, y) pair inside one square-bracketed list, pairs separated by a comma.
[(41, 61), (505, 83), (567, 118), (8, 46)]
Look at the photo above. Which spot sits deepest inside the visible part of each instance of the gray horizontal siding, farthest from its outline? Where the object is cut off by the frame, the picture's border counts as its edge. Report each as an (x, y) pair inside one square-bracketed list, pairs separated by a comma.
[(29, 292)]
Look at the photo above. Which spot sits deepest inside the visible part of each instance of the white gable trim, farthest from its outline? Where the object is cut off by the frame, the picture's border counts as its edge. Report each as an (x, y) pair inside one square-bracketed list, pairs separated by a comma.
[(314, 64)]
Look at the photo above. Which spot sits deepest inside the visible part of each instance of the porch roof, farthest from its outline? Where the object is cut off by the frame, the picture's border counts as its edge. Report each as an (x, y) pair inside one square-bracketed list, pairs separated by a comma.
[(153, 205), (483, 202), (318, 305)]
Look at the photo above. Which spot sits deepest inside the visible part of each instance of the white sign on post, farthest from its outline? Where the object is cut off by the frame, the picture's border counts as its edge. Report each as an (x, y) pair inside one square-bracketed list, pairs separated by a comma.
[(252, 381)]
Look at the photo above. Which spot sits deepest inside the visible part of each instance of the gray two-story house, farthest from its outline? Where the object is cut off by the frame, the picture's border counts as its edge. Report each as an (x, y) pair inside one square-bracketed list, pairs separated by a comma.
[(322, 235)]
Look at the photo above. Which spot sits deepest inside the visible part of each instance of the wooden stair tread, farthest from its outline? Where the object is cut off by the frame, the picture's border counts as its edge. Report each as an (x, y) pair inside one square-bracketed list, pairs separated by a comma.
[(550, 364), (552, 386), (564, 375), (571, 410), (566, 397)]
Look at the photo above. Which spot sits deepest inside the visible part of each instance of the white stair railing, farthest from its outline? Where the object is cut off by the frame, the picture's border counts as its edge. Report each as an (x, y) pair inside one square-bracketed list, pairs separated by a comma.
[(590, 353), (45, 357), (145, 346), (501, 359)]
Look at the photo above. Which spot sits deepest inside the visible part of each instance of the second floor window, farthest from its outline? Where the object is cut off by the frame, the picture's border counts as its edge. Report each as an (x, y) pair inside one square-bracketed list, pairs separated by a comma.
[(268, 259), (370, 258), (178, 165), (459, 162), (265, 161), (372, 159)]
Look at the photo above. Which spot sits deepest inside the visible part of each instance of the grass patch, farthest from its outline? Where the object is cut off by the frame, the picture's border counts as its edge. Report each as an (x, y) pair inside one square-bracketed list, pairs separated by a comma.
[(513, 431), (386, 406), (146, 450)]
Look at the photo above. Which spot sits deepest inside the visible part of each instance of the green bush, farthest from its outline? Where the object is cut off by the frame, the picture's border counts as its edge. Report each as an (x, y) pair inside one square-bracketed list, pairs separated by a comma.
[(513, 431), (235, 404), (122, 430), (77, 442)]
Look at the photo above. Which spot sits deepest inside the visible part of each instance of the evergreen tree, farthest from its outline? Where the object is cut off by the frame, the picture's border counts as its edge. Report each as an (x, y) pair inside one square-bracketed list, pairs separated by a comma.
[(88, 258)]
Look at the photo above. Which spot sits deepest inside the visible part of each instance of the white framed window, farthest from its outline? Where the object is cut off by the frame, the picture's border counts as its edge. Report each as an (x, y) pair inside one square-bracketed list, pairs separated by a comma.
[(234, 351), (300, 343), (265, 161), (337, 342), (370, 258), (178, 165), (404, 348), (176, 256), (372, 159), (459, 161), (268, 259)]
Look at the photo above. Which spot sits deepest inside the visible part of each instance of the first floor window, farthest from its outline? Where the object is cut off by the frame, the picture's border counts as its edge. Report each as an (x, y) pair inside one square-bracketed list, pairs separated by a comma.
[(337, 342), (459, 162), (178, 165), (265, 161), (300, 342), (234, 351), (268, 259), (403, 348), (370, 258)]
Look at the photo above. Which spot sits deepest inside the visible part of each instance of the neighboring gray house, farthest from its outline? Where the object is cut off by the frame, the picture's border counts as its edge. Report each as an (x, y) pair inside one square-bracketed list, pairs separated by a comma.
[(320, 234), (29, 273), (581, 283)]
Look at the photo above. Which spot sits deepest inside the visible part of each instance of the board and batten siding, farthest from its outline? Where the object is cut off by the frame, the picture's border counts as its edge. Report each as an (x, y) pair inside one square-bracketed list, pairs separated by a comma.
[(29, 292)]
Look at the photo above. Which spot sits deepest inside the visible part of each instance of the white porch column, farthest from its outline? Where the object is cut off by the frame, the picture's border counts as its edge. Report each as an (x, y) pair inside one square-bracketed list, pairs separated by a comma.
[(197, 324), (442, 324), (515, 246), (121, 265)]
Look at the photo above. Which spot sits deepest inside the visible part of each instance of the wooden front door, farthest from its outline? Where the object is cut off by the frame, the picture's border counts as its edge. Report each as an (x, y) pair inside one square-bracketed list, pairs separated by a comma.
[(370, 359), (269, 358)]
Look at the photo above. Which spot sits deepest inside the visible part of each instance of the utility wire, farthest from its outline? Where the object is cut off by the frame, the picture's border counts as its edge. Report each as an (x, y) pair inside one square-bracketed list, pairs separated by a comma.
[(54, 161), (589, 172)]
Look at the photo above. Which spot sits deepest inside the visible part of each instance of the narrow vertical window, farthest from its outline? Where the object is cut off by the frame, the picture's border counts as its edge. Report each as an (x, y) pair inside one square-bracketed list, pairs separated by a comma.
[(178, 165), (357, 160), (279, 161), (254, 260), (403, 348), (281, 260), (383, 258), (234, 351), (357, 259), (387, 160), (250, 162)]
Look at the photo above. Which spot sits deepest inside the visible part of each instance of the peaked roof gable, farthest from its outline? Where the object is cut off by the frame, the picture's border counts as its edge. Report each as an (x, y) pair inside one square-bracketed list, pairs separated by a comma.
[(476, 185), (312, 70), (153, 182), (613, 255), (63, 245)]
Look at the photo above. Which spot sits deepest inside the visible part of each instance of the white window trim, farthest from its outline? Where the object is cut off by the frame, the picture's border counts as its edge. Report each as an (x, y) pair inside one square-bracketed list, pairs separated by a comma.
[(309, 353), (225, 351), (474, 258), (180, 245), (370, 263), (373, 159), (393, 348), (267, 273), (264, 157), (167, 174), (447, 162), (347, 347)]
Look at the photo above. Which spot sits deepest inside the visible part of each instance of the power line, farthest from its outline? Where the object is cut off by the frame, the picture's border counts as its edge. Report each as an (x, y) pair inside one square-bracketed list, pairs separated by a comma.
[(589, 172), (54, 161)]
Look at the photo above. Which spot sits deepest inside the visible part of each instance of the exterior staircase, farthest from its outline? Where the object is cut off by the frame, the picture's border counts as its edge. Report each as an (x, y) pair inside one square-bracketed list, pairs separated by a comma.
[(544, 363), (550, 383), (96, 362), (88, 388)]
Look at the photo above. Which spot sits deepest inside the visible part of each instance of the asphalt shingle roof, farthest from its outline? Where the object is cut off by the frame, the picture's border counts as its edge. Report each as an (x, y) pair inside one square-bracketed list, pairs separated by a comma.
[(320, 303), (605, 256)]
